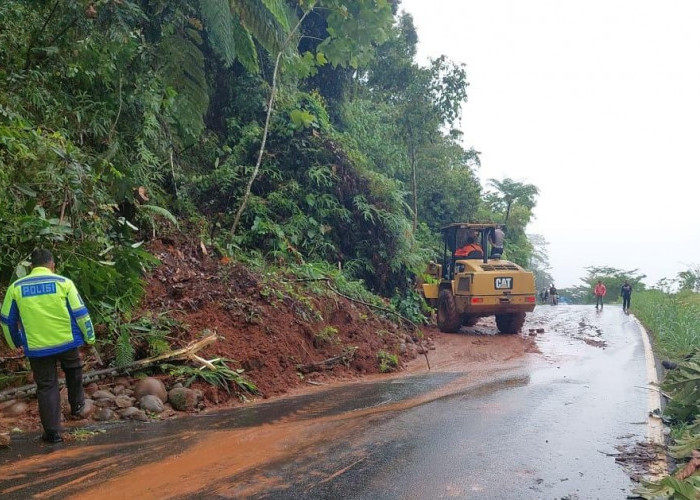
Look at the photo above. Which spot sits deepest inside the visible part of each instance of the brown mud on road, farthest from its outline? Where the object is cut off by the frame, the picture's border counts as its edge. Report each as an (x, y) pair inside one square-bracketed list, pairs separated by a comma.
[(229, 462)]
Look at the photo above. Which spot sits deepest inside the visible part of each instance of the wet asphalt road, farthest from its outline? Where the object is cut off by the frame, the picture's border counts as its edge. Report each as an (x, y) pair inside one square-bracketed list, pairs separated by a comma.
[(541, 430)]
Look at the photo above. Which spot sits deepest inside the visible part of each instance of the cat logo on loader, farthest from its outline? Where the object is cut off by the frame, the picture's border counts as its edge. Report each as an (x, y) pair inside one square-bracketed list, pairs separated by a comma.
[(465, 288)]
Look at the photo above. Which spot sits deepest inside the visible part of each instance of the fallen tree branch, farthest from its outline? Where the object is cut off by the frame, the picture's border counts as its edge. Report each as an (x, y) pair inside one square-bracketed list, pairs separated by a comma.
[(328, 364), (185, 352)]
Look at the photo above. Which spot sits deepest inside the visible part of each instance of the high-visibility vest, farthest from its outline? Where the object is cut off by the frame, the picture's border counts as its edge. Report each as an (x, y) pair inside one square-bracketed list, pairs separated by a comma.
[(44, 314)]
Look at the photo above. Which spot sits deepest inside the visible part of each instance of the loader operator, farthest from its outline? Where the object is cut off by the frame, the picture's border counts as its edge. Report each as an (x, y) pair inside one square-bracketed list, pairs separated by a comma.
[(44, 314), (472, 250)]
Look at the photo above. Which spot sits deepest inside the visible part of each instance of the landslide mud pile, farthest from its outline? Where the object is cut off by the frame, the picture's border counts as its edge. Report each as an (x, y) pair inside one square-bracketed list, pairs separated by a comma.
[(276, 329)]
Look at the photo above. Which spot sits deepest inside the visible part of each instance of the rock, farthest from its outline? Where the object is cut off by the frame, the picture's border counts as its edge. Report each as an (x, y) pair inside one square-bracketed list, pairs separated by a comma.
[(105, 403), (540, 330), (183, 399), (150, 387), (402, 348), (151, 403), (7, 404), (133, 413), (122, 381), (412, 351), (212, 394), (118, 389), (17, 409), (102, 395), (103, 414), (4, 440), (200, 394), (177, 386), (167, 411), (91, 389), (128, 392), (123, 401), (89, 409)]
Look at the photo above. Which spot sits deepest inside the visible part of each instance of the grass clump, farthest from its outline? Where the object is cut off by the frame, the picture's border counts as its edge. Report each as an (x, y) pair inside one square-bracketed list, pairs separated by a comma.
[(388, 362)]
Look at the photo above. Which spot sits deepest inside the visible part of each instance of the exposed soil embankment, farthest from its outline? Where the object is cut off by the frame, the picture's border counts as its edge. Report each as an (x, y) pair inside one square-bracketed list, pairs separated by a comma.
[(269, 325)]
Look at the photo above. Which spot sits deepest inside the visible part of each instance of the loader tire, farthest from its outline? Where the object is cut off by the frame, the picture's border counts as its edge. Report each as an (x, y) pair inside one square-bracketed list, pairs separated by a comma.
[(510, 323), (470, 320), (447, 317)]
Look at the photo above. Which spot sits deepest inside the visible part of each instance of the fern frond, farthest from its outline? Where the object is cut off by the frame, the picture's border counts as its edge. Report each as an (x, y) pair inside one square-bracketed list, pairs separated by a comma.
[(183, 70), (159, 211), (218, 22), (261, 23), (245, 47), (281, 13), (124, 349)]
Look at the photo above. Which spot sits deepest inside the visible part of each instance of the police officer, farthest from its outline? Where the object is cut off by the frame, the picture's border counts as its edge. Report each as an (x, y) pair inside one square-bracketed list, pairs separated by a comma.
[(44, 314)]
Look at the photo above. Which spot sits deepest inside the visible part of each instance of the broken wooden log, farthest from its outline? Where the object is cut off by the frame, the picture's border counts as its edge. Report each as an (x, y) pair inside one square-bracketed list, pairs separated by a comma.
[(328, 364)]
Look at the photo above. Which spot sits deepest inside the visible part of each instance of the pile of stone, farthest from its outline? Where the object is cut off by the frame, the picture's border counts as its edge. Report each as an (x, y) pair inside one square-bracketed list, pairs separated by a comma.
[(147, 397)]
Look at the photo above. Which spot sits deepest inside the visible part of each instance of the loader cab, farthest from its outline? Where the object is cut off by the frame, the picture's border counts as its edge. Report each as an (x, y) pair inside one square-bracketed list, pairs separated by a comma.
[(458, 236)]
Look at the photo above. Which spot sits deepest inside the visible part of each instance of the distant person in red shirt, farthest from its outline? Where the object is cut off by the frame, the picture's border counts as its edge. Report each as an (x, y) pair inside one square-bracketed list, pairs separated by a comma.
[(599, 293)]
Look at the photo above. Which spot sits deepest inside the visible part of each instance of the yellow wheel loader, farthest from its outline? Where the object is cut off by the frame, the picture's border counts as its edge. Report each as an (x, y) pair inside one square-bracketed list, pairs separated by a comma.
[(471, 284)]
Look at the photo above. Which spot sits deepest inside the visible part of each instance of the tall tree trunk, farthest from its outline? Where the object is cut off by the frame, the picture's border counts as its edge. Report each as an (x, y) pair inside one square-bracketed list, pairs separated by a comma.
[(415, 190), (270, 103)]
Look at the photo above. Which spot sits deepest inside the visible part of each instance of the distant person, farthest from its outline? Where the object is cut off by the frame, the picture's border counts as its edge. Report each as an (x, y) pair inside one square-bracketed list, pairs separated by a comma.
[(553, 294), (599, 291), (44, 314), (496, 238), (626, 292), (472, 250)]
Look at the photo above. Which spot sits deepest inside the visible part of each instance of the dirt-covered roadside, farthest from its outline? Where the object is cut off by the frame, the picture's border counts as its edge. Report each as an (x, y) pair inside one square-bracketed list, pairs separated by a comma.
[(280, 332)]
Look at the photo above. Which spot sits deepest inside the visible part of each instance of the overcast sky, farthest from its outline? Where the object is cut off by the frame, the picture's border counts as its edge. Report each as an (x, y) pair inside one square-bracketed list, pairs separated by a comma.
[(595, 102)]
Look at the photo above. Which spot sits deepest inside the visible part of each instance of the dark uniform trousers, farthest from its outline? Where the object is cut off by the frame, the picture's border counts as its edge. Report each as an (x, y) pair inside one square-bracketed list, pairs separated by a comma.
[(46, 379)]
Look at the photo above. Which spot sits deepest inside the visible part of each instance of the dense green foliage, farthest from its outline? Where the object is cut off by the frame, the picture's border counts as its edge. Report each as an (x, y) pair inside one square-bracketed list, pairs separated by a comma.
[(119, 117)]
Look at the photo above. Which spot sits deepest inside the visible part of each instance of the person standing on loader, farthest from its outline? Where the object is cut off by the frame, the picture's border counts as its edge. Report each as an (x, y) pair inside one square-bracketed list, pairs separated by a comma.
[(44, 314), (496, 238), (599, 291)]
